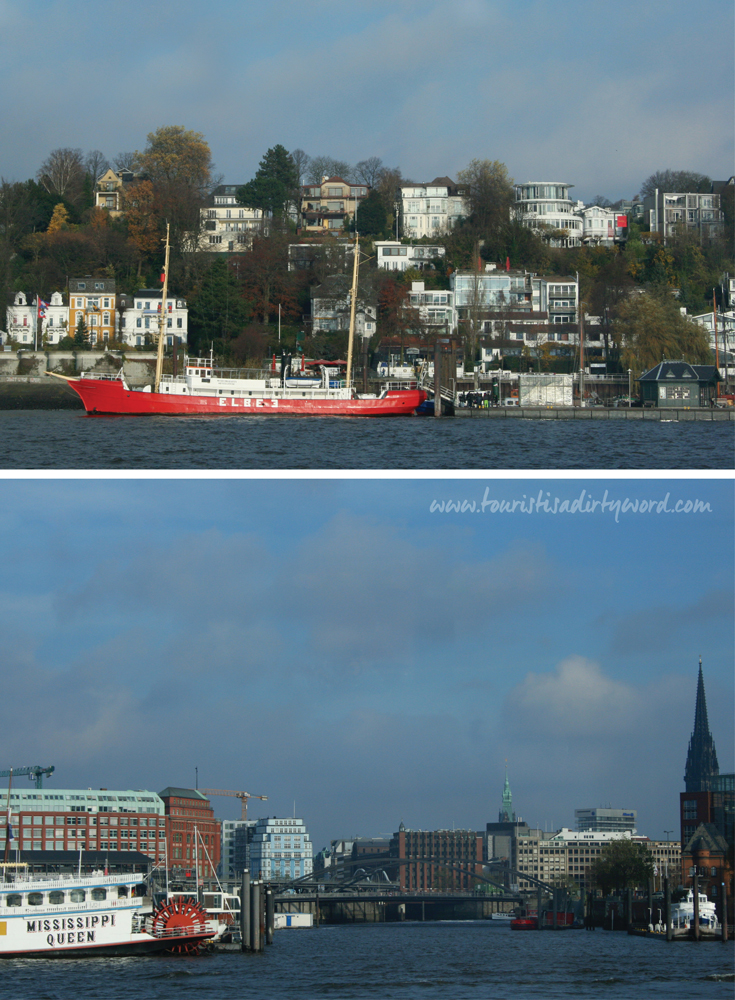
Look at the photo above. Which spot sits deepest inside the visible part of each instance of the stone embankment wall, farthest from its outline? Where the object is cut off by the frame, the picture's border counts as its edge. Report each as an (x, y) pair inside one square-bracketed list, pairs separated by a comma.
[(24, 384)]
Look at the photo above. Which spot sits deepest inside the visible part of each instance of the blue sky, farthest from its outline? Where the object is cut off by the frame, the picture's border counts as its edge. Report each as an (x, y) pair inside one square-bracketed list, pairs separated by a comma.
[(580, 91), (339, 644)]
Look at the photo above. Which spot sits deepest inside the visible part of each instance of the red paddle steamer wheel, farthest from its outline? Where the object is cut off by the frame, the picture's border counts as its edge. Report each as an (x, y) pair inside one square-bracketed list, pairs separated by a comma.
[(184, 916)]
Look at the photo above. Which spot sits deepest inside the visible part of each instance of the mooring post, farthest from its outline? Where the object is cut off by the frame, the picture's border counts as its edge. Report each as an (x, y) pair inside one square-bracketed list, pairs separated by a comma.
[(555, 908), (539, 915), (629, 908), (667, 904), (245, 911), (437, 380), (723, 897), (255, 940), (270, 916)]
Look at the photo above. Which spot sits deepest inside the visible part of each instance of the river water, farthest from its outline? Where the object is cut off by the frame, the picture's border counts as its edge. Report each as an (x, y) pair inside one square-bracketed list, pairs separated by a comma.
[(451, 961), (68, 439)]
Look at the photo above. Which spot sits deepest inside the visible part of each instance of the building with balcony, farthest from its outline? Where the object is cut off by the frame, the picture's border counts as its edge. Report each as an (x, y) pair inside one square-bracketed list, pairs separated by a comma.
[(109, 191), (667, 212), (330, 307), (139, 318), (603, 226), (545, 207), (516, 308), (226, 225), (434, 308), (328, 207), (431, 209), (234, 841)]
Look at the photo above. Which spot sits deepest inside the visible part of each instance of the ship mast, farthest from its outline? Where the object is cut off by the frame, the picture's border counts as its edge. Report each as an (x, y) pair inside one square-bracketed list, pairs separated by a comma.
[(353, 307), (162, 319)]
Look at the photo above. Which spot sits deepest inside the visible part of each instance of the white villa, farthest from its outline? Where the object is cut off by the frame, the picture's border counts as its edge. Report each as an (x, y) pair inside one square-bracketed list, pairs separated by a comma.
[(431, 209)]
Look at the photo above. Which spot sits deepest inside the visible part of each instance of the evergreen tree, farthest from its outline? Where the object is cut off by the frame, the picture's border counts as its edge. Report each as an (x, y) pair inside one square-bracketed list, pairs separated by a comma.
[(218, 312), (81, 338), (275, 184), (371, 217)]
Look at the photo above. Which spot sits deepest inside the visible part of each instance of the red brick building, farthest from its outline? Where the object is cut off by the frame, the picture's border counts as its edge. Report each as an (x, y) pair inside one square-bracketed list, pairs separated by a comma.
[(193, 833), (436, 857)]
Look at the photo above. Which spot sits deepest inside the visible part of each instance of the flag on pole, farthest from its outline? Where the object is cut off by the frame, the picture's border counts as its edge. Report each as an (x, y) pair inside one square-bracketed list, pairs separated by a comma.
[(42, 307)]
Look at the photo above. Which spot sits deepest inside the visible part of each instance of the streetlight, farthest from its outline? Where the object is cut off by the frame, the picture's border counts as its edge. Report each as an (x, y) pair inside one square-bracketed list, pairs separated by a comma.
[(630, 392)]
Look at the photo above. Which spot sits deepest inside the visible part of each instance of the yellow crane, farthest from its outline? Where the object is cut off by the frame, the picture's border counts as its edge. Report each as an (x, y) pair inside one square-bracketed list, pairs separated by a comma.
[(243, 796)]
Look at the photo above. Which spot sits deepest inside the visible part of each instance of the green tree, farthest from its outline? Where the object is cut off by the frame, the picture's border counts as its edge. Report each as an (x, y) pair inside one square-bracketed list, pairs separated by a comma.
[(649, 328), (371, 217), (623, 864), (81, 336), (489, 192), (274, 186), (218, 312)]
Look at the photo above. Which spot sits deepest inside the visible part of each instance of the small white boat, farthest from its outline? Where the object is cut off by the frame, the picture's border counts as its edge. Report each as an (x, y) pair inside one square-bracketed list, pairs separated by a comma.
[(682, 914)]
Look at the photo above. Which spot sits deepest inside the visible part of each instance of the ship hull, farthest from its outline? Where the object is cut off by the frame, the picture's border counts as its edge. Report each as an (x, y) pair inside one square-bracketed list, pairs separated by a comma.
[(108, 397), (148, 946)]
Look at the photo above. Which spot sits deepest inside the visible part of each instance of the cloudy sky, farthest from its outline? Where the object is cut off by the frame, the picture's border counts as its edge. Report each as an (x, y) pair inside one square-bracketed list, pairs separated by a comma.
[(592, 93), (341, 645)]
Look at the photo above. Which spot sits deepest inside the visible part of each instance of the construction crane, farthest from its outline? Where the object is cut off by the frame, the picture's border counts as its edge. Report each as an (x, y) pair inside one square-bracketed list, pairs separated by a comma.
[(34, 773), (242, 796)]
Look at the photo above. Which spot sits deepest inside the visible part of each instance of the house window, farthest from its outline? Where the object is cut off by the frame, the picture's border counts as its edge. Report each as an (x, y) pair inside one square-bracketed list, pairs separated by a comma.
[(215, 239)]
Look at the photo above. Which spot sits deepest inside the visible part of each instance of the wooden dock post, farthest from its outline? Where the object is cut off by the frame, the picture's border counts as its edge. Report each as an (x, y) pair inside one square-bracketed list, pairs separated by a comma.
[(245, 911), (270, 916), (256, 943)]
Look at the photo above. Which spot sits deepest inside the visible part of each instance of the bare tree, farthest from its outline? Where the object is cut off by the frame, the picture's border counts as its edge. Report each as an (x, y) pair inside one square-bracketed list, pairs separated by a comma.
[(125, 161), (676, 180), (301, 162), (62, 172), (326, 166), (96, 163), (369, 171)]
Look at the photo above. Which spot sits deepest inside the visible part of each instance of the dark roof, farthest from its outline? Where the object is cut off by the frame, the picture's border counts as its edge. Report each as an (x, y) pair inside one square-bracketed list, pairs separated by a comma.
[(706, 838), (677, 370), (182, 793)]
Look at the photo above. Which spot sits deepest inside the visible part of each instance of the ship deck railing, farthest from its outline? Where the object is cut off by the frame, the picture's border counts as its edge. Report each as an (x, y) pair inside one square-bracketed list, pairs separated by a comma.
[(181, 930)]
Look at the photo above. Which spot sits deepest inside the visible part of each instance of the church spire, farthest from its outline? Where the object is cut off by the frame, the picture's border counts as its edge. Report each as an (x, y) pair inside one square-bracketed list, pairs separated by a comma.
[(506, 814), (701, 764)]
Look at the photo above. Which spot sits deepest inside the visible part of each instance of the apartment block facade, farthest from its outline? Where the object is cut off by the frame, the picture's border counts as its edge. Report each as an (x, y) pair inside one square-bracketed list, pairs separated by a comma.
[(280, 849), (72, 819)]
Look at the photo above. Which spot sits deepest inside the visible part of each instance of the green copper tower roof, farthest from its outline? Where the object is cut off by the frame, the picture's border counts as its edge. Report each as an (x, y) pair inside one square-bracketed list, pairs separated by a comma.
[(506, 814)]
